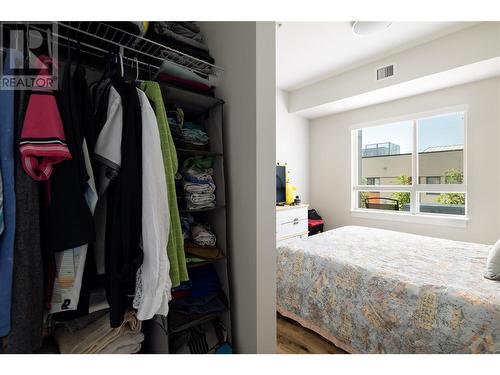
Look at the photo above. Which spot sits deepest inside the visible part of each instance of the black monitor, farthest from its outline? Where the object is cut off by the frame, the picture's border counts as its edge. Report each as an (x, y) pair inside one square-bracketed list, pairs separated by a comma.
[(280, 184)]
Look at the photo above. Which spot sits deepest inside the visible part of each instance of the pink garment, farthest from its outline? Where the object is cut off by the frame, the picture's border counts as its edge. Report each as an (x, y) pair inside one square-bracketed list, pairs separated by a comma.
[(42, 143)]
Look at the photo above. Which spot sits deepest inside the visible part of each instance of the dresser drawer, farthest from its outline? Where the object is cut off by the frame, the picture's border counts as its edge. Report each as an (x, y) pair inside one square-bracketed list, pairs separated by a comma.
[(289, 215), (291, 229)]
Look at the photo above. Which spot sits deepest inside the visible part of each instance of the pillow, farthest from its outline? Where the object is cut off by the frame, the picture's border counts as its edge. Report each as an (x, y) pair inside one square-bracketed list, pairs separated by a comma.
[(493, 263)]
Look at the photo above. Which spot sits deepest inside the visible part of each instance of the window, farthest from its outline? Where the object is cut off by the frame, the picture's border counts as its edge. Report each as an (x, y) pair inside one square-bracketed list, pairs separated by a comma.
[(373, 180), (416, 164), (432, 180)]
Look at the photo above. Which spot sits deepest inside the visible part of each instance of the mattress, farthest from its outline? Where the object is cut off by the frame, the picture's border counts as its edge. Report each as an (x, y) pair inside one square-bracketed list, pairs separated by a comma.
[(376, 291)]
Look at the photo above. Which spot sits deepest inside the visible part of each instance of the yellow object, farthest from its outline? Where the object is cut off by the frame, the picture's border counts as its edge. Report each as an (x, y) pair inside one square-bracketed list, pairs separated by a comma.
[(290, 190)]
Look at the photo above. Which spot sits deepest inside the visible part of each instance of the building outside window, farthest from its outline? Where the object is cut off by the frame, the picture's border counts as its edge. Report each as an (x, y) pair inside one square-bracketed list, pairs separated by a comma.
[(373, 180), (432, 179), (417, 163)]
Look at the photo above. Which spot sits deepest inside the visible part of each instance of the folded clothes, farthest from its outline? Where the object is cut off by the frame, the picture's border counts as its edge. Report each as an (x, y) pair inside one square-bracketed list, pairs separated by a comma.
[(179, 71), (186, 221), (184, 83), (198, 182), (176, 294), (200, 198), (198, 201), (179, 46), (190, 25), (204, 281), (202, 236), (181, 59), (98, 337), (199, 206), (181, 291), (198, 172), (193, 260), (195, 306), (128, 343), (203, 252), (82, 322), (194, 136), (175, 118), (193, 125), (188, 29), (180, 34), (201, 164), (200, 188), (199, 177)]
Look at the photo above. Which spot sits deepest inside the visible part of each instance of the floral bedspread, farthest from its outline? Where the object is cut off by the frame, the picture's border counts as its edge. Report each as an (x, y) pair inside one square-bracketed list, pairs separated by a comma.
[(376, 291)]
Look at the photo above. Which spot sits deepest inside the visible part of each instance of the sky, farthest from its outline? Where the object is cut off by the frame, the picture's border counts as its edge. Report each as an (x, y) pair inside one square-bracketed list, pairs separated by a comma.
[(436, 131)]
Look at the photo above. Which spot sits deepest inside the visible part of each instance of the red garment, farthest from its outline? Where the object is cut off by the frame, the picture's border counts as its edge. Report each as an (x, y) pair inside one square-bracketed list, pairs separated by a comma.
[(312, 222), (42, 143), (182, 293)]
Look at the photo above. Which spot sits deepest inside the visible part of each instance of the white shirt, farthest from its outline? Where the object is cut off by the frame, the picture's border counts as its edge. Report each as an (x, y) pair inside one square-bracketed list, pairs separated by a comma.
[(152, 292), (108, 152)]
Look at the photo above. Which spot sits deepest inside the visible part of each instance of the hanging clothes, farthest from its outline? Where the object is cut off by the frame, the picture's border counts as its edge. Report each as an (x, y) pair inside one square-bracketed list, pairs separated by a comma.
[(1, 205), (42, 143), (70, 221), (27, 279), (9, 198), (70, 263), (101, 105), (124, 255), (108, 159), (152, 290), (175, 247), (86, 107)]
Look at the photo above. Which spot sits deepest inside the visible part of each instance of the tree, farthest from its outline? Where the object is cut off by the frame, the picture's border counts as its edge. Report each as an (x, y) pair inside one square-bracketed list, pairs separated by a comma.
[(452, 176), (363, 194), (403, 198), (451, 198)]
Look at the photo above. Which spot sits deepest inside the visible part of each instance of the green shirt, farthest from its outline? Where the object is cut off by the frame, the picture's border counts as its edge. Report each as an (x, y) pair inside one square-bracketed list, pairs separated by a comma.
[(175, 247)]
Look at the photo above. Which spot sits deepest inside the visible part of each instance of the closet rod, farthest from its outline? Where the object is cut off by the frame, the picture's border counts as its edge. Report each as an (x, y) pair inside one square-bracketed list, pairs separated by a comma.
[(148, 48), (61, 38), (117, 44)]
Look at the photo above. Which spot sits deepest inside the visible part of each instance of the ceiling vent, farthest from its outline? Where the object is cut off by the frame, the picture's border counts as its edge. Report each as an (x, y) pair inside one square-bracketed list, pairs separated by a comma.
[(385, 72)]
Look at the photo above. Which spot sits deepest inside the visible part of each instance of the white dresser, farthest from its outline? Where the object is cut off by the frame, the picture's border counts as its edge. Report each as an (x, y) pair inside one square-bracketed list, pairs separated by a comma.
[(291, 222)]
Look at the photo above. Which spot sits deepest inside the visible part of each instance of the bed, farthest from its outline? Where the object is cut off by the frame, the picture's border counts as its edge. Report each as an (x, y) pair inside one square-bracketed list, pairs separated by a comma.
[(376, 291)]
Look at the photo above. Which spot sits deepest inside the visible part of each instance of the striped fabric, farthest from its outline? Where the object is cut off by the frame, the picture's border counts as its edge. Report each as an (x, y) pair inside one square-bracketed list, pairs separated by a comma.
[(42, 143)]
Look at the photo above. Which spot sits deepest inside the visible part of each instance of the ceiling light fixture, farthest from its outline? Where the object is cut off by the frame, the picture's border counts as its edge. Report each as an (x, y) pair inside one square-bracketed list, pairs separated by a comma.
[(365, 28)]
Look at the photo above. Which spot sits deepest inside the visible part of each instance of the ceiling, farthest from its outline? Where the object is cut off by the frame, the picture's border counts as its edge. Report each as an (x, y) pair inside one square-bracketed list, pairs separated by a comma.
[(308, 52)]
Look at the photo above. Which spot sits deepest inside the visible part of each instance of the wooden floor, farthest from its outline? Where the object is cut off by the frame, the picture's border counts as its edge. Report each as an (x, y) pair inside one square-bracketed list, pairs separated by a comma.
[(295, 339)]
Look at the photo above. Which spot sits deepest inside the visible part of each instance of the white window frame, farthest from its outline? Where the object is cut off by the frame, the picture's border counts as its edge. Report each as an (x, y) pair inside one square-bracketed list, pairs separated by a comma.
[(416, 187)]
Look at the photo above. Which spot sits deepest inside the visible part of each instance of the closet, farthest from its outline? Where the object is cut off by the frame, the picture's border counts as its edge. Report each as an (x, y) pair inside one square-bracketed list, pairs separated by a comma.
[(113, 192)]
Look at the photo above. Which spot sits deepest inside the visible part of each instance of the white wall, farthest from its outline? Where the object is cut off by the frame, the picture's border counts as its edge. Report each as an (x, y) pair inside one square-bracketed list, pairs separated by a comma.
[(330, 160), (292, 144), (266, 187), (472, 45), (245, 50)]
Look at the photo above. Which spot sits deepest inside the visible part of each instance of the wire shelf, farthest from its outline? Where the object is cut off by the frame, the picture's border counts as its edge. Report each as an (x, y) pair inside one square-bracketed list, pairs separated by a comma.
[(97, 39)]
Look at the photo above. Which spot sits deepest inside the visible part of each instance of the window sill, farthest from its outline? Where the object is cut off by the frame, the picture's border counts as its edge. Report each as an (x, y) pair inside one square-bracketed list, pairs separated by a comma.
[(457, 222)]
